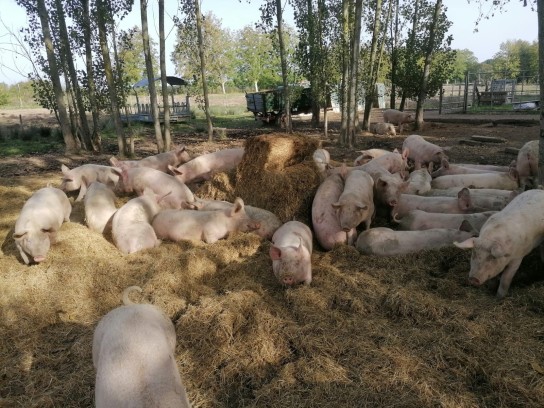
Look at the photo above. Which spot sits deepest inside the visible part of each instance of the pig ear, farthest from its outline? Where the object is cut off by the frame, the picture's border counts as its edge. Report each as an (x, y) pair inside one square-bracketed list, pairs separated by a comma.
[(114, 162), (513, 173), (275, 253), (467, 227), (64, 169), (174, 170), (238, 206), (361, 206), (467, 244), (445, 163), (464, 199), (395, 150), (336, 205), (405, 153), (381, 182)]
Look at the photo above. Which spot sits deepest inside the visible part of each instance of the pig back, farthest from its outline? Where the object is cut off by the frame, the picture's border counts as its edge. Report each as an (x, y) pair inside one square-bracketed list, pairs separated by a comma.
[(46, 209)]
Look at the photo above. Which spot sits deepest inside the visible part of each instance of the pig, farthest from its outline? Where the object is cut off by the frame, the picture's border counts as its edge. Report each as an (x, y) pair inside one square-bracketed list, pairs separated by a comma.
[(99, 203), (397, 117), (488, 167), (387, 242), (461, 204), (422, 220), (133, 353), (72, 181), (131, 224), (291, 253), (159, 161), (268, 221), (494, 180), (527, 164), (423, 152), (505, 239), (393, 162), (322, 158), (383, 128), (139, 178), (419, 181), (490, 199), (367, 155), (208, 226), (446, 168), (202, 167), (387, 187), (327, 229), (39, 221), (356, 203)]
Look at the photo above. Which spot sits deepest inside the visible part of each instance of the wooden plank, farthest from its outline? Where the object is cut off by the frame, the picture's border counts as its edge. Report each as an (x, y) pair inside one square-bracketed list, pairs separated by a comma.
[(488, 139)]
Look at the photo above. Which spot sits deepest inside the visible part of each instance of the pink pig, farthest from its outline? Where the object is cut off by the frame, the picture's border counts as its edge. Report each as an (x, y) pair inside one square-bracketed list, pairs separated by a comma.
[(527, 164), (40, 219), (159, 161), (356, 203), (202, 167), (451, 205), (423, 220), (208, 226), (100, 206), (291, 252), (72, 179), (494, 180), (423, 152), (397, 117), (367, 155), (134, 356)]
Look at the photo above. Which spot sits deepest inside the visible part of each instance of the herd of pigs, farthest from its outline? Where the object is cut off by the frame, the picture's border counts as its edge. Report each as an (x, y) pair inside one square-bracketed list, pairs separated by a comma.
[(496, 211)]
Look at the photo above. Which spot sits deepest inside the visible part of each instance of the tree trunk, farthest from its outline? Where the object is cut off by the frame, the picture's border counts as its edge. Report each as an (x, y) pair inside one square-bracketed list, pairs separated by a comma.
[(427, 66), (166, 103), (373, 66), (105, 50), (95, 135), (394, 57), (69, 139), (67, 51), (151, 78), (540, 7), (354, 72), (313, 46), (345, 105), (284, 74), (198, 16)]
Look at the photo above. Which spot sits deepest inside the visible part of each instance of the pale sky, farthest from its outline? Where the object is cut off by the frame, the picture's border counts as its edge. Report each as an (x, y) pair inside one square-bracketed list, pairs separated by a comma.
[(516, 23)]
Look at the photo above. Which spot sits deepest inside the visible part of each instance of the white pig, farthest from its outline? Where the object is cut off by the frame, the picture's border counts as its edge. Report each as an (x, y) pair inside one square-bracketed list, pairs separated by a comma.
[(322, 158), (72, 179), (203, 167), (417, 220), (208, 226), (383, 128), (495, 180), (397, 117), (367, 155), (159, 161), (40, 219), (327, 229), (527, 164), (134, 357), (422, 152), (131, 225), (100, 206), (291, 252), (387, 242), (490, 199), (356, 203), (451, 205), (505, 239), (393, 162), (419, 181), (446, 168)]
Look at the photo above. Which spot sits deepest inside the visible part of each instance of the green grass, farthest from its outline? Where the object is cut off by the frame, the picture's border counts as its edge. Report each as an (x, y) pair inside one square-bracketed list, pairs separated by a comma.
[(17, 147)]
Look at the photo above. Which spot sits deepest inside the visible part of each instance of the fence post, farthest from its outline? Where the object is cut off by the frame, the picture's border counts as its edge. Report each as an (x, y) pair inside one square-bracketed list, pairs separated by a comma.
[(440, 96), (465, 98)]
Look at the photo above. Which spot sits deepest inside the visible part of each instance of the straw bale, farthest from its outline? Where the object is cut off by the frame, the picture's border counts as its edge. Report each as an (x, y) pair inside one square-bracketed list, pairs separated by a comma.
[(219, 187), (277, 173)]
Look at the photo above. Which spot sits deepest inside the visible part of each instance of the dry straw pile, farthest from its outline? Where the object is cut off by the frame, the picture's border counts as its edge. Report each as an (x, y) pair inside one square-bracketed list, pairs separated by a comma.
[(403, 331)]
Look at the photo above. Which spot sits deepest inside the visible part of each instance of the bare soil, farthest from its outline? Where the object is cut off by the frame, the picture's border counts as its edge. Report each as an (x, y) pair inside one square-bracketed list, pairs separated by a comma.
[(405, 331)]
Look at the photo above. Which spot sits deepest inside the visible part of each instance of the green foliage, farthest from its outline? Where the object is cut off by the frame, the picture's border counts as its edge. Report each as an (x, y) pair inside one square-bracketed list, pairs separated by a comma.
[(131, 55), (3, 94), (15, 140), (465, 60)]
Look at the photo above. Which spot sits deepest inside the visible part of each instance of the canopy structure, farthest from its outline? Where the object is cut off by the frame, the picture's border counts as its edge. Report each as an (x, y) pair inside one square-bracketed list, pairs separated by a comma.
[(171, 80)]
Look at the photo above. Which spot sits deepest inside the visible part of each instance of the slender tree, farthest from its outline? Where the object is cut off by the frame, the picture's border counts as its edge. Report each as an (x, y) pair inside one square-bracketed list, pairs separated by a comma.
[(540, 9), (164, 83)]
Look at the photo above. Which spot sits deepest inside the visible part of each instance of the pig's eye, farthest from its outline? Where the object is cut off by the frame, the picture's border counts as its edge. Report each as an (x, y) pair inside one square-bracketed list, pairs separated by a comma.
[(47, 231)]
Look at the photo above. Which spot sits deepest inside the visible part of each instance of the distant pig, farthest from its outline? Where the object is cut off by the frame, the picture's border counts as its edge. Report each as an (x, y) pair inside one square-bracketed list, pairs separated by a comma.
[(356, 203), (72, 179), (383, 128), (100, 206), (131, 225), (397, 118), (203, 167), (134, 356), (208, 226), (527, 164), (418, 220), (159, 161), (322, 158), (505, 239), (387, 242), (291, 252), (40, 219), (494, 180), (423, 152), (327, 228)]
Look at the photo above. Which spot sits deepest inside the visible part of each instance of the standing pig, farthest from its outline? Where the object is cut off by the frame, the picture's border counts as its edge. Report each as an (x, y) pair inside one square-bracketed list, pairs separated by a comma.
[(37, 225), (72, 179), (99, 207), (397, 117), (159, 161), (383, 128), (202, 167), (208, 226), (527, 164), (328, 230), (423, 152), (134, 357), (505, 239), (356, 203), (291, 253), (131, 225)]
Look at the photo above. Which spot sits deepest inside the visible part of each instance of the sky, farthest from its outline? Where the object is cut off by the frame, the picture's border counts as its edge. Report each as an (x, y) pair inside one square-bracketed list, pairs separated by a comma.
[(515, 23)]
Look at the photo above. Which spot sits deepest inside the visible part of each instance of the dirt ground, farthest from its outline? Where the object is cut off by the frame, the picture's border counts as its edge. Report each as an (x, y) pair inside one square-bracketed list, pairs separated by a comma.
[(404, 331)]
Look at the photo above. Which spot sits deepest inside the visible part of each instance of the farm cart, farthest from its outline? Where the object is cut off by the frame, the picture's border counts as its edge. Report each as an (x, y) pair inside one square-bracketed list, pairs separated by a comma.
[(268, 106)]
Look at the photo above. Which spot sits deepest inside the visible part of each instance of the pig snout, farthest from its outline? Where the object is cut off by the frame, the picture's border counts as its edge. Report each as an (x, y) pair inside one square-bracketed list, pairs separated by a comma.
[(474, 281), (288, 280), (393, 202)]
